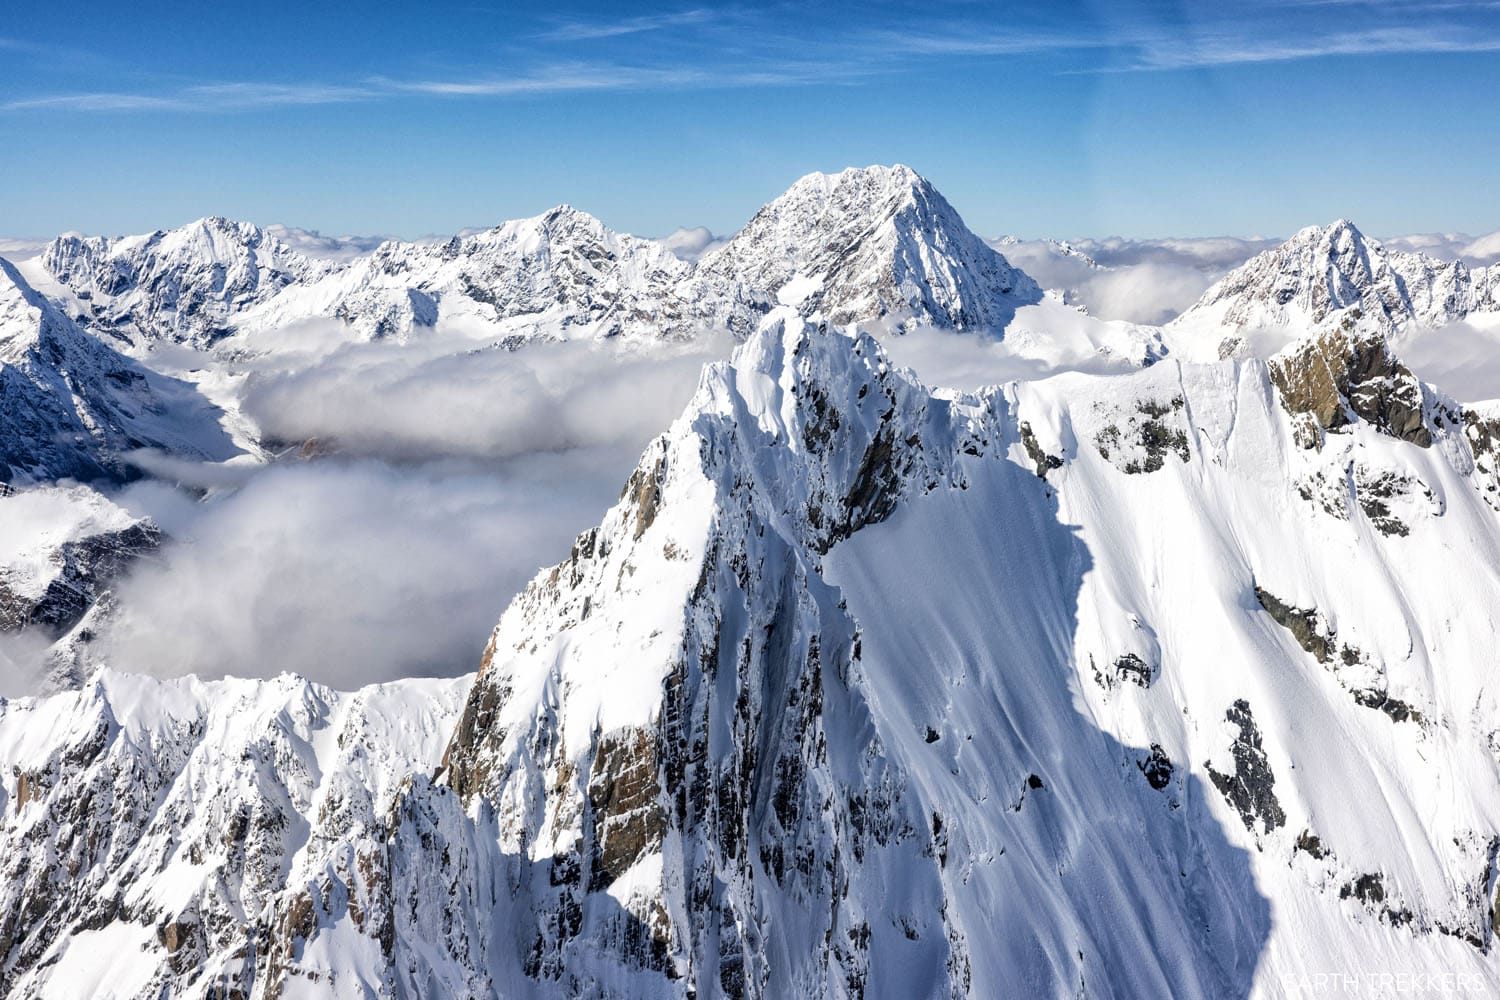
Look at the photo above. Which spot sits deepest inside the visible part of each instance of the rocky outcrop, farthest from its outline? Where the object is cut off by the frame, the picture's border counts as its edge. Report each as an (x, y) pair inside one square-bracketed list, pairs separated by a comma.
[(1250, 787), (84, 568), (1138, 440), (1365, 680), (1347, 375), (1482, 432)]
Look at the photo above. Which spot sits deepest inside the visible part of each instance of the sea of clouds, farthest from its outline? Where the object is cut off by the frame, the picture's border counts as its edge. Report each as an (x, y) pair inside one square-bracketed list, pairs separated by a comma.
[(441, 478), (423, 484)]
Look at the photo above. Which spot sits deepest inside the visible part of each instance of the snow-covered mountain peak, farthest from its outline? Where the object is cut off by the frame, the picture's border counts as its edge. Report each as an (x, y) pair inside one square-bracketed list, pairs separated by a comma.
[(874, 245), (875, 183), (562, 273), (843, 683), (183, 284), (1313, 279)]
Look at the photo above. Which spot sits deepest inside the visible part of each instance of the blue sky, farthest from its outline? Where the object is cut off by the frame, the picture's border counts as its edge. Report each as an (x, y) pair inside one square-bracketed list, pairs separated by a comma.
[(1065, 119)]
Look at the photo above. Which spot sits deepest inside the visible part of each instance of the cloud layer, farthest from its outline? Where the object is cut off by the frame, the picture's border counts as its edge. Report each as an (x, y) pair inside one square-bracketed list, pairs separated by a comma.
[(456, 476), (1140, 281)]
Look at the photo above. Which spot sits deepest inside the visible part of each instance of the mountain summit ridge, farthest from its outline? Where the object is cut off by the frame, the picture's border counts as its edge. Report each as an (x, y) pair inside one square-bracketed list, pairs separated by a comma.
[(875, 245)]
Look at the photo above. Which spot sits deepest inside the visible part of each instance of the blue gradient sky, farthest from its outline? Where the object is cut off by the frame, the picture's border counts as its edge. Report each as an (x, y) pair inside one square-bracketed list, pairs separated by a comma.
[(1066, 119)]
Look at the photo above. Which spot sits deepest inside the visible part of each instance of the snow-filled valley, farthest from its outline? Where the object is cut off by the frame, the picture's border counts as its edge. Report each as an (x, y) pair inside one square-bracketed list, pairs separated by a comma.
[(874, 619)]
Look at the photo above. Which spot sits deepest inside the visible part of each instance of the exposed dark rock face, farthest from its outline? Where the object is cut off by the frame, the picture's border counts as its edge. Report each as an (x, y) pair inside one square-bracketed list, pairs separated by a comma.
[(1157, 767), (644, 490), (1322, 642), (1347, 375), (1132, 668), (1398, 710), (625, 803), (1369, 888), (1044, 462), (1303, 623), (1377, 490), (1311, 844), (86, 567), (1390, 500), (1483, 436), (1250, 789)]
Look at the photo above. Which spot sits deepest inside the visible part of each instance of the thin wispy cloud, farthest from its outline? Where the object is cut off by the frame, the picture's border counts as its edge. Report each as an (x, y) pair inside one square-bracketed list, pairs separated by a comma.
[(1234, 49), (576, 30), (967, 40), (556, 79), (559, 79), (204, 97), (702, 49)]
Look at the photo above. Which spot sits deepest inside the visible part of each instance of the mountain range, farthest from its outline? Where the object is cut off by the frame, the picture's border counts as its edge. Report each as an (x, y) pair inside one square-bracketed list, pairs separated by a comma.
[(1163, 673)]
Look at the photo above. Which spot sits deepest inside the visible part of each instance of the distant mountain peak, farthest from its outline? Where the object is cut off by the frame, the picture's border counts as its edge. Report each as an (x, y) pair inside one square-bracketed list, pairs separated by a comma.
[(181, 284), (882, 247), (1323, 271)]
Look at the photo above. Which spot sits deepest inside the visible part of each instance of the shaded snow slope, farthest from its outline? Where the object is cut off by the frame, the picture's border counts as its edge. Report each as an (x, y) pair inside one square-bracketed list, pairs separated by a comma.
[(72, 407)]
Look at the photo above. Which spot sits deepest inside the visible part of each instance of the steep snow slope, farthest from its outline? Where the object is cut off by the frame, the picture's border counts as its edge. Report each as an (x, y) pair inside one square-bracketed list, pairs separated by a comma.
[(1170, 683), (184, 285), (1086, 736), (1323, 272), (70, 406)]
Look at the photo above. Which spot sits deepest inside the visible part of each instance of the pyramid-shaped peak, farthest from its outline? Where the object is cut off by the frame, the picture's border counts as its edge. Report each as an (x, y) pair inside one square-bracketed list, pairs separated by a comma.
[(877, 245), (221, 235), (562, 217)]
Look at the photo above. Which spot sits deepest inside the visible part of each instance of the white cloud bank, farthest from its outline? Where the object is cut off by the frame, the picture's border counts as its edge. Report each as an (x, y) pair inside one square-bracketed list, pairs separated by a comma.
[(1139, 281), (456, 476)]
